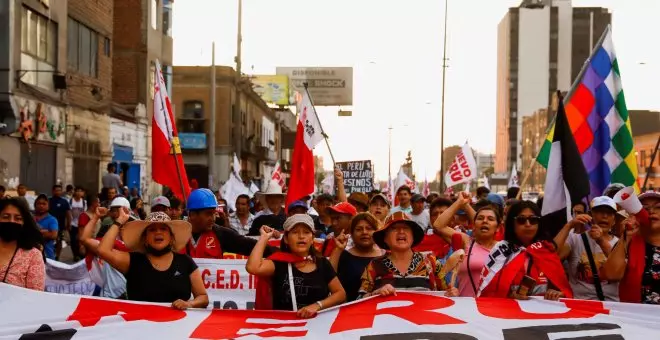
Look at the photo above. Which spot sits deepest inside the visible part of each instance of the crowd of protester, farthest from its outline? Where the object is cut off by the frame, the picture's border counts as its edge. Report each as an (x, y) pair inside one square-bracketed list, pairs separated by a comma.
[(334, 249)]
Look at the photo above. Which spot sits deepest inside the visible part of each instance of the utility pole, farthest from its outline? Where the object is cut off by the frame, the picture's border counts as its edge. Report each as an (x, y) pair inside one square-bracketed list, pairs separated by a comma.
[(237, 103), (211, 137), (389, 161), (442, 114)]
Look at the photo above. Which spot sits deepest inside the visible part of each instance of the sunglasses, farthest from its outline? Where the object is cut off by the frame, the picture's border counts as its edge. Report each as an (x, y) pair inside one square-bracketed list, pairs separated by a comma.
[(533, 220)]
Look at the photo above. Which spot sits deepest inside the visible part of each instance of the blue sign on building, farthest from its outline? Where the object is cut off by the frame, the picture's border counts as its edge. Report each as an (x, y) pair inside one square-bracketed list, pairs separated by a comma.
[(191, 140)]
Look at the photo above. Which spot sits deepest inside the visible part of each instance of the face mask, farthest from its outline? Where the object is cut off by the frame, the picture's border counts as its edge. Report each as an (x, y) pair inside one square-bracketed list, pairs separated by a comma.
[(156, 252), (10, 231)]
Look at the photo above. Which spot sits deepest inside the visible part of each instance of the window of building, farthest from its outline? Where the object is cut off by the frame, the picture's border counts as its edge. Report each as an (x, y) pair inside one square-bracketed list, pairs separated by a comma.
[(154, 14), (107, 47), (167, 17), (38, 47), (82, 48), (193, 109)]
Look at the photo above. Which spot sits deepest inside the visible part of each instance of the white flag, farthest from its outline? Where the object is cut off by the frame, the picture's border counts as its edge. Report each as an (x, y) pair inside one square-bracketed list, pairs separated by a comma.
[(237, 168), (328, 184), (310, 122), (513, 180), (232, 189), (253, 189), (486, 184), (462, 169), (401, 180)]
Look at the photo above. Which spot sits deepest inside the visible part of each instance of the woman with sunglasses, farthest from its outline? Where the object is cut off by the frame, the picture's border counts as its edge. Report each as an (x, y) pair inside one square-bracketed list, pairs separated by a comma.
[(477, 247), (526, 262)]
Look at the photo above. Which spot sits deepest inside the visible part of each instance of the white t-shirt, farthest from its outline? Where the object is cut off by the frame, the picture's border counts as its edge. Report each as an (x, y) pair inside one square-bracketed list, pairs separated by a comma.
[(423, 219), (77, 208), (580, 273)]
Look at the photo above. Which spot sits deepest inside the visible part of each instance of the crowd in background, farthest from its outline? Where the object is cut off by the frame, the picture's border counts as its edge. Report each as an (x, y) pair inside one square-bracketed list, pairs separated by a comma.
[(337, 248)]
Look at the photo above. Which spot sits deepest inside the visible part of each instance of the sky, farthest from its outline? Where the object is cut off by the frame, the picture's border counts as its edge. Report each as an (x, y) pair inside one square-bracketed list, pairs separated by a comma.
[(395, 49)]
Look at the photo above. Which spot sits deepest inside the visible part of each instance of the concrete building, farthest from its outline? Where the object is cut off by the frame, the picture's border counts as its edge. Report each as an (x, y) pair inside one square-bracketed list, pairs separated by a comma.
[(143, 35), (55, 91), (533, 136), (542, 45), (645, 127), (259, 141)]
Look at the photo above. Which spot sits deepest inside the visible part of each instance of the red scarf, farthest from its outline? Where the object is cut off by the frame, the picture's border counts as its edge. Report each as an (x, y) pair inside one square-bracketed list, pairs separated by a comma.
[(547, 261), (630, 288), (263, 287)]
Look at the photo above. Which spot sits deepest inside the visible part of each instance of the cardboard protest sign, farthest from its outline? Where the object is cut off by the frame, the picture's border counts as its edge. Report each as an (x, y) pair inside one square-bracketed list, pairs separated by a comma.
[(358, 176)]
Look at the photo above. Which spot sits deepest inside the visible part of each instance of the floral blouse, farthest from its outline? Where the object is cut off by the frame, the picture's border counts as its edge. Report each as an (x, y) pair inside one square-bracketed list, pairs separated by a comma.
[(424, 273), (28, 270)]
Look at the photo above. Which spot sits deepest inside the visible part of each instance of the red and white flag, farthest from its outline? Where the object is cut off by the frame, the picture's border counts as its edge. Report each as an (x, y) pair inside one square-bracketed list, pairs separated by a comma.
[(427, 189), (462, 169), (308, 135), (277, 175), (165, 146)]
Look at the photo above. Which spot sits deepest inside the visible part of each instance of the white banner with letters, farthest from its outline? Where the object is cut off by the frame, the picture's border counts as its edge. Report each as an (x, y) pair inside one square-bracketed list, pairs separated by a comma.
[(408, 315), (68, 278)]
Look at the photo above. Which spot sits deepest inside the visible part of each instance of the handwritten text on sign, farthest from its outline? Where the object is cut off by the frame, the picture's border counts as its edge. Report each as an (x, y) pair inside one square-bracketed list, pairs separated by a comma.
[(358, 176)]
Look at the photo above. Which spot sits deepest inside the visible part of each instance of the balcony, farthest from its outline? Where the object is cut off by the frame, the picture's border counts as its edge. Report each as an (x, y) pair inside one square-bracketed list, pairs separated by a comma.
[(191, 125), (264, 153)]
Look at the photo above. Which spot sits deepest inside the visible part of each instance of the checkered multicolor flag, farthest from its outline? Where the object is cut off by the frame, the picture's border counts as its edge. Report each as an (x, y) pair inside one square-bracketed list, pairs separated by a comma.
[(598, 118)]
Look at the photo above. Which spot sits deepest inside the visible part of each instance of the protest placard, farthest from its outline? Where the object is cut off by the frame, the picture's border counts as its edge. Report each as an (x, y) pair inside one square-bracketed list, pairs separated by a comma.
[(358, 176)]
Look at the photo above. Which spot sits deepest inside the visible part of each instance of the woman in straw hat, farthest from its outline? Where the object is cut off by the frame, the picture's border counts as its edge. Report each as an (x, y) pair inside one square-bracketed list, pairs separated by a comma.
[(154, 269), (401, 267), (302, 281)]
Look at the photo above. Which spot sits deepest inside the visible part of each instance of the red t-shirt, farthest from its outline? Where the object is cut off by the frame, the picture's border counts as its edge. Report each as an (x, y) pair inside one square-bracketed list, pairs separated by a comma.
[(83, 219), (207, 246)]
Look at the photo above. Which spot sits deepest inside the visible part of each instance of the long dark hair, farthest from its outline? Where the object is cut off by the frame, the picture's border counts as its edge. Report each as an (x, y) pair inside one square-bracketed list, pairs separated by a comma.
[(30, 235), (510, 223)]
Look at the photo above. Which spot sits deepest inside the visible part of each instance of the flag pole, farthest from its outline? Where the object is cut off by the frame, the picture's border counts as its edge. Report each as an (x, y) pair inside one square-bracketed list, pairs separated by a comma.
[(322, 131), (174, 143), (524, 181)]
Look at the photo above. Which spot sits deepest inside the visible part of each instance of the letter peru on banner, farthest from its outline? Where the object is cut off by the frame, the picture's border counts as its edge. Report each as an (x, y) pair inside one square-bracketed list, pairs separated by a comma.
[(463, 169), (408, 315)]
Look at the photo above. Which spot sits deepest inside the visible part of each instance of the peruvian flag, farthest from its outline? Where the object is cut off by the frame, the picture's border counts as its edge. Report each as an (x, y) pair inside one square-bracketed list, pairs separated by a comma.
[(308, 135), (165, 147)]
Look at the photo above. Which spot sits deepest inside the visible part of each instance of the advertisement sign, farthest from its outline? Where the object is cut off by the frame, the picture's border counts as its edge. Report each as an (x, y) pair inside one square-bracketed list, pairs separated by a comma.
[(28, 314), (191, 140), (328, 86), (358, 176), (272, 89)]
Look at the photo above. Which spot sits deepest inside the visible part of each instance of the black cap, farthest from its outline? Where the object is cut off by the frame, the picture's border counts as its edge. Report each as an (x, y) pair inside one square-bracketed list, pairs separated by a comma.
[(417, 198)]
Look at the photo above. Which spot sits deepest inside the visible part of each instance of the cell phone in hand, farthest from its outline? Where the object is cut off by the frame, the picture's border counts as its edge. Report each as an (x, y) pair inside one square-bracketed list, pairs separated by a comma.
[(526, 285)]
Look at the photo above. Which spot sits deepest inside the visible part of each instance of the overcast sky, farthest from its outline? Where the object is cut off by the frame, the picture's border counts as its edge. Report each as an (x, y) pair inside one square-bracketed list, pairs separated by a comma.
[(395, 48)]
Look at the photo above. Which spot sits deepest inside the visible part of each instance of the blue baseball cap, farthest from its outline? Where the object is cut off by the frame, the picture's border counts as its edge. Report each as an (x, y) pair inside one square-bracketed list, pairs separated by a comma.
[(298, 204), (496, 199)]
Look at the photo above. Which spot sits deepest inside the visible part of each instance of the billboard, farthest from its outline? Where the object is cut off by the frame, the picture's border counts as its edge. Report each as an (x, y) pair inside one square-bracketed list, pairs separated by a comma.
[(328, 86), (272, 88)]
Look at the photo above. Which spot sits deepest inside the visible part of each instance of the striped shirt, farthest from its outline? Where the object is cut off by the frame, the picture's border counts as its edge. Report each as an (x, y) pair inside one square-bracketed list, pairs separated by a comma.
[(424, 273)]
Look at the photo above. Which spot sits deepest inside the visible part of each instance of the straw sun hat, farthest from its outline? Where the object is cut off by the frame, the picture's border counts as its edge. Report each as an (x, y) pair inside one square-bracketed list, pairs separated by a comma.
[(132, 231)]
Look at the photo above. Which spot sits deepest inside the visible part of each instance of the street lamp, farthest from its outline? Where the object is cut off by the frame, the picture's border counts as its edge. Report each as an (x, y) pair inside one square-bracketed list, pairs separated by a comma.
[(442, 114)]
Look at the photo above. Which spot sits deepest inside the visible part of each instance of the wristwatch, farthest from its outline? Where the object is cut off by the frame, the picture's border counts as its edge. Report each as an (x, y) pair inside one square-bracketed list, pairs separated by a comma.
[(118, 224)]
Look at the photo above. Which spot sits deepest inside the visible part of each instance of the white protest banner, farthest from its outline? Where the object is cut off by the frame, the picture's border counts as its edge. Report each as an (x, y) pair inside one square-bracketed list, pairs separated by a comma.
[(68, 278), (408, 315), (227, 283), (462, 169)]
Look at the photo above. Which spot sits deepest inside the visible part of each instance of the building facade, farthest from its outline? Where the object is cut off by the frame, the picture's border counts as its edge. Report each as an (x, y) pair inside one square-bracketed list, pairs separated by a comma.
[(645, 127), (533, 136), (143, 31), (254, 135), (55, 92), (542, 45)]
